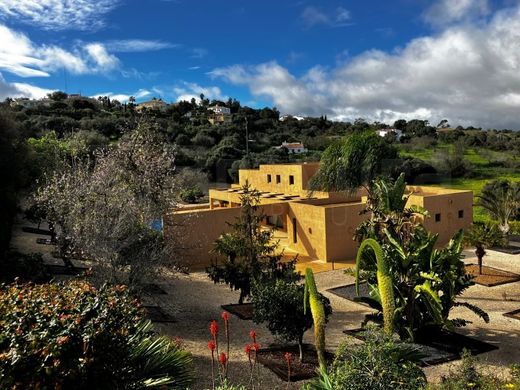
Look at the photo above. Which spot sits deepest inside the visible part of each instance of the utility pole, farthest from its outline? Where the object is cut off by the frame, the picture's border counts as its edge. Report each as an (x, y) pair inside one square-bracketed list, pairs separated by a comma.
[(247, 139)]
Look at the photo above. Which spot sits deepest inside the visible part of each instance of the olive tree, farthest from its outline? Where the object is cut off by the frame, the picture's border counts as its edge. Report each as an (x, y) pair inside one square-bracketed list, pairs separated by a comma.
[(106, 209)]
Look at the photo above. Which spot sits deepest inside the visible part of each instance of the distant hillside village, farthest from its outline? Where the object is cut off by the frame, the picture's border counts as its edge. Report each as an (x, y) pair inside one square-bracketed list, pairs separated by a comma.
[(219, 137)]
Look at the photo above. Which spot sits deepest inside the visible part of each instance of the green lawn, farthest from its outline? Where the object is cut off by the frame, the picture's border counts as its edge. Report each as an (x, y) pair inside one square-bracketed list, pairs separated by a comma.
[(483, 171)]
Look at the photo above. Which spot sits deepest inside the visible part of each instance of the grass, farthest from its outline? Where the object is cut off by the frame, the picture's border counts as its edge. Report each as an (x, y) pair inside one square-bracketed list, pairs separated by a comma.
[(485, 169)]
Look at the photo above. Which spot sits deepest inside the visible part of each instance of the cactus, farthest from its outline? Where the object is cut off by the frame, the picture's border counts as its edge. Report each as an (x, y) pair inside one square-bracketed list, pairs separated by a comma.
[(384, 283), (312, 298)]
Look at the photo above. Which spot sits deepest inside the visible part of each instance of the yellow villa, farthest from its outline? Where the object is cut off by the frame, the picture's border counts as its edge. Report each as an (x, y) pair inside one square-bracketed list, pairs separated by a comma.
[(317, 225)]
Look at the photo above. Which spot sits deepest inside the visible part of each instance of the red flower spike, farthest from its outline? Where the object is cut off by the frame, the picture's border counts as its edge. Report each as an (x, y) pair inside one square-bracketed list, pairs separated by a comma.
[(222, 358), (288, 357), (225, 316), (211, 346), (213, 328), (248, 349), (256, 347), (252, 334)]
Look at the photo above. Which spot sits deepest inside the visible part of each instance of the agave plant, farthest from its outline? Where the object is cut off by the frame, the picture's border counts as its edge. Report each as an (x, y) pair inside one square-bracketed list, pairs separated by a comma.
[(426, 281)]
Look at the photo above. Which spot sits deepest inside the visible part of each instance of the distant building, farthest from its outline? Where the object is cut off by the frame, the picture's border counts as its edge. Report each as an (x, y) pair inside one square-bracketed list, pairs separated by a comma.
[(31, 103), (384, 132), (220, 114), (293, 147), (285, 117), (319, 227), (154, 104)]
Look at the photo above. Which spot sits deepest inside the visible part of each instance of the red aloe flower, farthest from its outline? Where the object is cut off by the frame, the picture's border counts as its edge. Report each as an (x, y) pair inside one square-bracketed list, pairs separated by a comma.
[(256, 347), (211, 345), (222, 359), (288, 357), (252, 334), (225, 316), (213, 328), (248, 349)]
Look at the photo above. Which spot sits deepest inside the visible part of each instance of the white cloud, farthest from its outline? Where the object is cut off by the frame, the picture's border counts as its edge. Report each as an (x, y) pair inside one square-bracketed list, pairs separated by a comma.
[(59, 14), (137, 45), (104, 61), (14, 90), (123, 98), (467, 74), (188, 91), (22, 57), (444, 12), (313, 16)]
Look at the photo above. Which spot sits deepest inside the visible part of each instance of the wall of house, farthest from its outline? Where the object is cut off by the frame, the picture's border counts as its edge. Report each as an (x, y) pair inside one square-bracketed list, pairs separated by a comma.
[(195, 231), (301, 174), (310, 229), (341, 223), (447, 208)]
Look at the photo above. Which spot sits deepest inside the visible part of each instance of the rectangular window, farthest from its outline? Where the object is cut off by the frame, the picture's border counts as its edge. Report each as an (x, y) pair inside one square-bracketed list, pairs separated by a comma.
[(461, 214), (291, 179), (278, 180), (437, 217), (294, 231), (269, 178)]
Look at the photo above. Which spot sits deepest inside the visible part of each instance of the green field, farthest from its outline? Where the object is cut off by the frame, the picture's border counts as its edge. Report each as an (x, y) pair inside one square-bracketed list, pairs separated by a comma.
[(484, 169)]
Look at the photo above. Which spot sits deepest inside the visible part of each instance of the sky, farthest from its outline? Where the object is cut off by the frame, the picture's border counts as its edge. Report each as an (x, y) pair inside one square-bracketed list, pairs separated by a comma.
[(373, 59)]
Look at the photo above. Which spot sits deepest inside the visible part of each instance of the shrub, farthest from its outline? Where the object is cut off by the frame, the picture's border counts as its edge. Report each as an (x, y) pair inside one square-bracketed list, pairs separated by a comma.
[(470, 376), (280, 305), (378, 363), (72, 335), (191, 195), (26, 267)]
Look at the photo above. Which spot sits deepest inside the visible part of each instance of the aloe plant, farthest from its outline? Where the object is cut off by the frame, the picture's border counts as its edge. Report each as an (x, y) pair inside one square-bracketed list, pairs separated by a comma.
[(312, 298), (384, 282)]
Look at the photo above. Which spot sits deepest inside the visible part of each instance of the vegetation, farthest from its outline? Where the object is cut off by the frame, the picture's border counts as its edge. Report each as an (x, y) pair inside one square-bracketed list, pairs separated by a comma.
[(426, 281), (501, 199), (280, 305), (483, 236), (105, 209), (73, 335), (312, 299), (354, 162), (249, 251), (471, 375), (378, 363)]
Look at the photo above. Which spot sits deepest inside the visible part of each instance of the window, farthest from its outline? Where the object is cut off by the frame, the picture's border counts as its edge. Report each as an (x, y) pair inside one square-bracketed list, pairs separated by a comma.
[(294, 231), (291, 179), (278, 180), (437, 217), (461, 214), (269, 178)]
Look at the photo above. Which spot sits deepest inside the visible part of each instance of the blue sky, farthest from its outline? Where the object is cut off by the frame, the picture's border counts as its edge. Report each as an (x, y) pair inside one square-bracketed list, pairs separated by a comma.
[(380, 60)]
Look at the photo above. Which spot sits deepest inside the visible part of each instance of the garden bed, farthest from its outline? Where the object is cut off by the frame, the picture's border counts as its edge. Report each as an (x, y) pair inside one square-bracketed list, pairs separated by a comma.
[(349, 292), (274, 359), (515, 314), (509, 249), (441, 346), (153, 289), (490, 276), (33, 230), (55, 269), (156, 314), (243, 311)]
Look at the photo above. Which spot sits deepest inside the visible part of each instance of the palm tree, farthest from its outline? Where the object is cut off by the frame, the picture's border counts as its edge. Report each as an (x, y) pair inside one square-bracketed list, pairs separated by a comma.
[(483, 236), (501, 199)]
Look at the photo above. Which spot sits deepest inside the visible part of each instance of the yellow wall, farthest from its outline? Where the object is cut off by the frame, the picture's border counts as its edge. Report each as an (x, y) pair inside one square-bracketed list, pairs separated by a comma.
[(310, 230)]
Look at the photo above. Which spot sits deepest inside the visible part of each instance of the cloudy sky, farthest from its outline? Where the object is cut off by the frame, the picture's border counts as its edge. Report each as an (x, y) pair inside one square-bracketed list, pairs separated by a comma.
[(379, 60)]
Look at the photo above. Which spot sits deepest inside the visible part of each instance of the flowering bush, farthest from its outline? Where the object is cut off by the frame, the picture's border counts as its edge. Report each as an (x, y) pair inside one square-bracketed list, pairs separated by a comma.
[(72, 335)]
